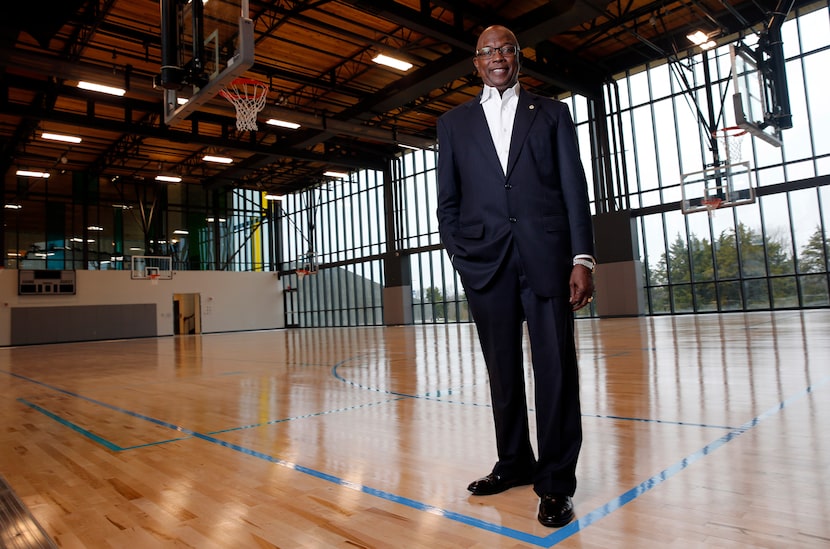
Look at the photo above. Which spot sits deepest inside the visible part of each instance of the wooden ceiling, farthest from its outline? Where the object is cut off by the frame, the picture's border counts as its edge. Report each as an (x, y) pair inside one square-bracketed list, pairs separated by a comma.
[(315, 56)]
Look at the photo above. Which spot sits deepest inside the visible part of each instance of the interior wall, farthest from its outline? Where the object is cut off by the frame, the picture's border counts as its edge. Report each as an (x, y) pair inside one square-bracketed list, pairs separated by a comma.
[(230, 301)]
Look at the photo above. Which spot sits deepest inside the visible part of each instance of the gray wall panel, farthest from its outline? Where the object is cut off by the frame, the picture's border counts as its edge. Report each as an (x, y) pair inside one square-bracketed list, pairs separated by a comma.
[(32, 325)]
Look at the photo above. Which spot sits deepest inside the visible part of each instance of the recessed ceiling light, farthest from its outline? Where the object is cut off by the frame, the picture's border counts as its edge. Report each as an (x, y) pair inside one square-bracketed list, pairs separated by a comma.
[(382, 59), (169, 178), (31, 173), (61, 137), (217, 159), (283, 124), (101, 88), (339, 175)]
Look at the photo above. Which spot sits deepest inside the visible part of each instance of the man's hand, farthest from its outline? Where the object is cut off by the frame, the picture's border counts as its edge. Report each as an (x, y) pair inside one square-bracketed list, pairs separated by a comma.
[(582, 287)]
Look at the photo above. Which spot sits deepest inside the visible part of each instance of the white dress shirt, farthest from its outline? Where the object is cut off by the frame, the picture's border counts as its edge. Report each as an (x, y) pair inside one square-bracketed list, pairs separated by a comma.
[(500, 111)]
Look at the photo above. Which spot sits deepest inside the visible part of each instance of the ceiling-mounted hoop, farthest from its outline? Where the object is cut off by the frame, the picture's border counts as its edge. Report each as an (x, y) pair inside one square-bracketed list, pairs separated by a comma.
[(248, 97), (730, 141)]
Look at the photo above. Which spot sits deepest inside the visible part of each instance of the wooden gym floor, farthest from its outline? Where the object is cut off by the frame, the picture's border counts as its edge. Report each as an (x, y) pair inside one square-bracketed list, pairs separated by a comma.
[(700, 431)]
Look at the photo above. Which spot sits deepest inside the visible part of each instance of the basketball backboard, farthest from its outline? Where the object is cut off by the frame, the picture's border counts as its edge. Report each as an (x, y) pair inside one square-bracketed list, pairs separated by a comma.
[(716, 187), (148, 267), (205, 46), (754, 97)]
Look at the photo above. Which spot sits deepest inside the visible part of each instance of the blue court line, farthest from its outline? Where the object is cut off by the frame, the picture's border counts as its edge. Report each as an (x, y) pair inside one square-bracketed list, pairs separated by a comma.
[(547, 541), (89, 434), (659, 421), (436, 397), (304, 416)]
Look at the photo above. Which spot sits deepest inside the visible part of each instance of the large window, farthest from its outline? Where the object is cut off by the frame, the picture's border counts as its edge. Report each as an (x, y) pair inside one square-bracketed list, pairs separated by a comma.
[(333, 236), (766, 255)]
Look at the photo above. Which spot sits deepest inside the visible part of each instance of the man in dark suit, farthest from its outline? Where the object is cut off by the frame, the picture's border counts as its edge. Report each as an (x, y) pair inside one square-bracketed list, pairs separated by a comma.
[(513, 214)]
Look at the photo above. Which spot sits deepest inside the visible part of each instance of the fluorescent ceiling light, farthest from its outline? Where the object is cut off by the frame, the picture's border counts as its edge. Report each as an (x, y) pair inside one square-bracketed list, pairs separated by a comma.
[(13, 206), (211, 220), (217, 159), (94, 228), (30, 173), (283, 124), (101, 88), (180, 231), (278, 197), (698, 37), (339, 175), (169, 178), (61, 137), (382, 59), (182, 100)]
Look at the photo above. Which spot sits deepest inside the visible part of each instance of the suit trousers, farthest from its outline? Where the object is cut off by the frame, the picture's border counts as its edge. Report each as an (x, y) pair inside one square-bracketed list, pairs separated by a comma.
[(499, 311)]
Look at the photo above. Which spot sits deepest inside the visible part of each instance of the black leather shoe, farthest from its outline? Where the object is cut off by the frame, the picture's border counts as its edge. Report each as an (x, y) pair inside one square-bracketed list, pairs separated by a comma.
[(494, 484), (556, 510)]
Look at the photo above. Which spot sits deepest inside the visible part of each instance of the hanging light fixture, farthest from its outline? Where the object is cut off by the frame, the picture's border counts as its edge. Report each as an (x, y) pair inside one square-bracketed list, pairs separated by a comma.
[(389, 61)]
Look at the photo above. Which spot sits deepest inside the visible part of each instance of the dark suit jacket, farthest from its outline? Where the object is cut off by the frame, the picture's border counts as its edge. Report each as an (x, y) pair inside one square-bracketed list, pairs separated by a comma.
[(541, 204)]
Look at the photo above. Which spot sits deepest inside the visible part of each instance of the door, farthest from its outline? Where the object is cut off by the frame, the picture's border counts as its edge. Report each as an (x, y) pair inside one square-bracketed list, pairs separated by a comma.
[(187, 317)]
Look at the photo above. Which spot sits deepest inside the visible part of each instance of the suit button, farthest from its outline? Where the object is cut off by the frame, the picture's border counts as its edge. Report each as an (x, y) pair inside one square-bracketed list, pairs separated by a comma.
[(508, 186), (512, 219)]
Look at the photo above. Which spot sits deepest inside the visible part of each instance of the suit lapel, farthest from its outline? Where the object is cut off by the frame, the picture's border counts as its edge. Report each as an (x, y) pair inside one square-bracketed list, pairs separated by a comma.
[(480, 133), (525, 114)]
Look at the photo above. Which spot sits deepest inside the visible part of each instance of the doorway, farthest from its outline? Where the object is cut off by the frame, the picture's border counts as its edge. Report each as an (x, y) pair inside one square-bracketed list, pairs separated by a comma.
[(187, 318)]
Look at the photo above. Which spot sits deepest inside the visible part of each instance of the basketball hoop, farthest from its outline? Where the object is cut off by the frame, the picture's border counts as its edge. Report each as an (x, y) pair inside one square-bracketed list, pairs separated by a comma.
[(307, 267), (712, 204), (730, 142), (154, 278), (248, 98)]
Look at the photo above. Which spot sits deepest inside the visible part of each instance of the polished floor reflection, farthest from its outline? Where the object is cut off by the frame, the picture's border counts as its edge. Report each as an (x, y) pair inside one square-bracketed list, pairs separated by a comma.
[(700, 431)]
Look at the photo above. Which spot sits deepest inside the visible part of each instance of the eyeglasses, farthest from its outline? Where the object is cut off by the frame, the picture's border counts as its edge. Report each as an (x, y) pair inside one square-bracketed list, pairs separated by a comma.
[(508, 50)]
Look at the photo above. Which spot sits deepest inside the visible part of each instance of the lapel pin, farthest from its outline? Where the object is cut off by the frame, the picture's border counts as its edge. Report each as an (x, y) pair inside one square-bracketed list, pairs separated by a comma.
[(531, 107)]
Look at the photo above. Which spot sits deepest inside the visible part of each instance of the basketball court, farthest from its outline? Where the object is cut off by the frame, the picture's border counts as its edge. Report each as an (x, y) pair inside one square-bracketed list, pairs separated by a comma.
[(699, 431)]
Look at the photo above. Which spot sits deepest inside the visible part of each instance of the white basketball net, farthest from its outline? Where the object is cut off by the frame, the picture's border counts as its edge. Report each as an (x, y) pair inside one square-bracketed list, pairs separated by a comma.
[(248, 98), (730, 144)]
